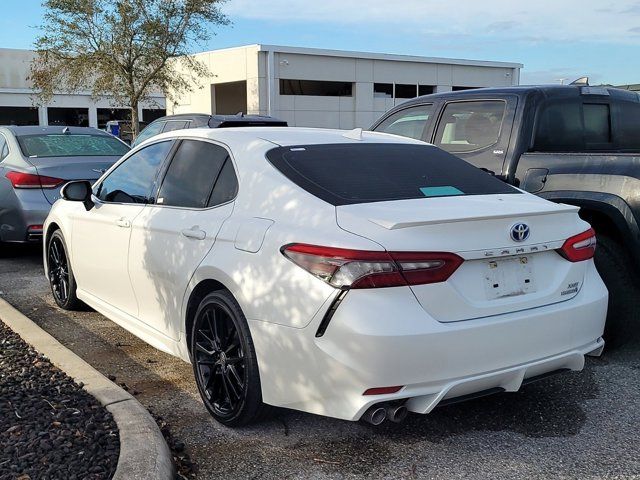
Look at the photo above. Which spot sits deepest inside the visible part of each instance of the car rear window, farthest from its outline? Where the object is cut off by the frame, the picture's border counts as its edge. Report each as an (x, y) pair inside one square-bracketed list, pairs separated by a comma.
[(71, 145), (344, 174)]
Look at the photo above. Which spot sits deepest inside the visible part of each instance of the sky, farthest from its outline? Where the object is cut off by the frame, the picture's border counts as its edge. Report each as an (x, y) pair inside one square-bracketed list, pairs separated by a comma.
[(554, 39)]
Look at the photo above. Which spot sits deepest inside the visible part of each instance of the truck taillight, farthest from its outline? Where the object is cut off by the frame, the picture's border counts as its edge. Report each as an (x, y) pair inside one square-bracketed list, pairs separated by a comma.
[(345, 268), (29, 180), (579, 247)]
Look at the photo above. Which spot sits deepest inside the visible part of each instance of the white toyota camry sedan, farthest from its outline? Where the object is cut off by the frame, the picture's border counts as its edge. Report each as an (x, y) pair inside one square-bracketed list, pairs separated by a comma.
[(349, 274)]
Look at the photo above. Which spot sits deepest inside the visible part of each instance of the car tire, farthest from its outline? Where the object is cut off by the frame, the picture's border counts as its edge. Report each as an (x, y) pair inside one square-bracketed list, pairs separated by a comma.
[(61, 278), (615, 267), (224, 361)]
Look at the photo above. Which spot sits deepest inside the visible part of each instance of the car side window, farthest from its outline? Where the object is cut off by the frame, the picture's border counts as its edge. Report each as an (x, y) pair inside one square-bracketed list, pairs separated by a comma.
[(410, 122), (470, 126), (4, 148), (226, 187), (628, 127), (151, 131), (134, 180), (175, 125), (191, 176)]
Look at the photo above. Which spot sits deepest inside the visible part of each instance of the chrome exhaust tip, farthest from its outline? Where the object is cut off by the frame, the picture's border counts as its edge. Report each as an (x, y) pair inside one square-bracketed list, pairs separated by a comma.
[(397, 413), (375, 415)]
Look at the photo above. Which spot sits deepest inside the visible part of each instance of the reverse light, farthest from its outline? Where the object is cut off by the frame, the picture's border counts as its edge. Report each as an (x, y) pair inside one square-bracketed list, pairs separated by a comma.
[(28, 180), (579, 247), (345, 268)]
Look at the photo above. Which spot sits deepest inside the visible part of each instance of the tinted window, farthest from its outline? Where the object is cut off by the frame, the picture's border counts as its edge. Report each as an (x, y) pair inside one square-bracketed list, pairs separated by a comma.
[(410, 122), (628, 126), (133, 181), (226, 186), (469, 126), (71, 145), (597, 124), (344, 174), (175, 125), (192, 174), (154, 129), (315, 87)]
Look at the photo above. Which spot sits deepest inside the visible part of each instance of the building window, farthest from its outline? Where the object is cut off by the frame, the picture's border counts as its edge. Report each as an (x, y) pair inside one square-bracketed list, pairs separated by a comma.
[(68, 117), (18, 116), (151, 114), (425, 90), (383, 90), (406, 91), (459, 88), (316, 88), (107, 114)]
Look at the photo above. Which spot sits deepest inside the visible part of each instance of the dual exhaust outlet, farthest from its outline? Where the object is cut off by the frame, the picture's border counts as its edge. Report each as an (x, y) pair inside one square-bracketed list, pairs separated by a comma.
[(377, 414)]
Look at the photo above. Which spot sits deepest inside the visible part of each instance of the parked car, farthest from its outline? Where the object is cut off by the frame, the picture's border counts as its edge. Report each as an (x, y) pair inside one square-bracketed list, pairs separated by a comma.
[(36, 161), (198, 120), (575, 144), (122, 129), (348, 274)]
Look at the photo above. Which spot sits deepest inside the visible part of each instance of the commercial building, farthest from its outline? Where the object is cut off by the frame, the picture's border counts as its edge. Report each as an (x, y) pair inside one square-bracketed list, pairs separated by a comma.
[(78, 109), (328, 88)]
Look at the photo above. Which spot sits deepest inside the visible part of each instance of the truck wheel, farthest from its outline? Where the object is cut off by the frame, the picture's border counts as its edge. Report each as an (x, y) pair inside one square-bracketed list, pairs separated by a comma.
[(615, 268)]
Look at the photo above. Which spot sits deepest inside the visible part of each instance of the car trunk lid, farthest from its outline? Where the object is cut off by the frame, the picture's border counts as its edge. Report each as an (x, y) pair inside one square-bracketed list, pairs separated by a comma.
[(499, 275)]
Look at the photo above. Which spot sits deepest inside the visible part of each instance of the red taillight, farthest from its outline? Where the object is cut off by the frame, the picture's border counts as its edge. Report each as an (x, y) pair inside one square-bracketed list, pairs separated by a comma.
[(344, 268), (579, 247), (28, 180), (382, 390)]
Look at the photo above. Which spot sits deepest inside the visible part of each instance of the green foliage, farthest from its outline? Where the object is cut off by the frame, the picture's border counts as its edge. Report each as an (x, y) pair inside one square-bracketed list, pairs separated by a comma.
[(124, 49)]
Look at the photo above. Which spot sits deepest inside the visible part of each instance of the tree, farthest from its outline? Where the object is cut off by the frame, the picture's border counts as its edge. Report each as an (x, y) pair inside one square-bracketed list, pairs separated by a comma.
[(123, 49)]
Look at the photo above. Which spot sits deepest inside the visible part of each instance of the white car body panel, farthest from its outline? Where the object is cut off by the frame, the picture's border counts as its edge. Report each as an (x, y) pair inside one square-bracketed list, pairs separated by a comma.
[(437, 340)]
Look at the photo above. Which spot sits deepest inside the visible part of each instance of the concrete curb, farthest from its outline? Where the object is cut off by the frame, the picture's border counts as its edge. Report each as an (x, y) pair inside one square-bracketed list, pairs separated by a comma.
[(144, 454)]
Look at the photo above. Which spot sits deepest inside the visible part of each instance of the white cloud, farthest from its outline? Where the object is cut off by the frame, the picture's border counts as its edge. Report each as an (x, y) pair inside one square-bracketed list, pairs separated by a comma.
[(529, 21)]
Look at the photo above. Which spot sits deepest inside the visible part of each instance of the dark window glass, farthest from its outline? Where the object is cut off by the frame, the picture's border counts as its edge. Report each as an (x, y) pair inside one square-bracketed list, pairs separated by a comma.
[(134, 180), (108, 114), (315, 87), (343, 174), (597, 124), (459, 89), (406, 91), (4, 150), (425, 89), (71, 117), (151, 131), (19, 116), (191, 175), (383, 90), (226, 187), (71, 145), (628, 126), (410, 122), (151, 114), (469, 126), (559, 128), (175, 125)]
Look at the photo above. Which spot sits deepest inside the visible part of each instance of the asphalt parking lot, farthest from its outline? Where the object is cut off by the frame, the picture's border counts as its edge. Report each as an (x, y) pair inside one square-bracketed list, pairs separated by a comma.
[(577, 425)]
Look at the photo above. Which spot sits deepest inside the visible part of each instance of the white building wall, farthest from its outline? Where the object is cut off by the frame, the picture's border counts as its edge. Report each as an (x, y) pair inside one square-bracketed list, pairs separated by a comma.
[(17, 91)]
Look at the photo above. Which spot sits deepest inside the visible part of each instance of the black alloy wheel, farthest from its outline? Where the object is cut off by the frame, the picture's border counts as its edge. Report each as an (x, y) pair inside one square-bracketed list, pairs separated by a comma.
[(224, 361), (61, 279)]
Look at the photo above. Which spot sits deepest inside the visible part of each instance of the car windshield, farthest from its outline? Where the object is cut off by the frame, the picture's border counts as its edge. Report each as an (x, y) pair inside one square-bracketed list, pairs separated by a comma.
[(343, 174), (71, 145)]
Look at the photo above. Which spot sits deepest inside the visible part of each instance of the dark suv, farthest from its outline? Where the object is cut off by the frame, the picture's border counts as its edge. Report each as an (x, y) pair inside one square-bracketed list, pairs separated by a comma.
[(197, 120), (575, 144)]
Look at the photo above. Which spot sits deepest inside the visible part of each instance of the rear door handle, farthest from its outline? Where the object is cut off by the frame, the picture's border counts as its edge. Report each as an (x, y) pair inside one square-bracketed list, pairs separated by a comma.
[(123, 222), (194, 233)]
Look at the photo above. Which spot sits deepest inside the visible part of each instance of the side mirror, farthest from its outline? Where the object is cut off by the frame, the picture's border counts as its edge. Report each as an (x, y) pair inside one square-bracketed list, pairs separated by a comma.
[(78, 191)]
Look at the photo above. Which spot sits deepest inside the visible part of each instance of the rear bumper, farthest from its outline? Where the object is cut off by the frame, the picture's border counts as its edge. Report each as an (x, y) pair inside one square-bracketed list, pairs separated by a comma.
[(383, 337), (24, 208)]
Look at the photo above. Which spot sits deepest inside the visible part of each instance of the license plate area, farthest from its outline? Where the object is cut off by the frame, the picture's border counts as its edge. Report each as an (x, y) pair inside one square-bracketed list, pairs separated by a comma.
[(509, 277)]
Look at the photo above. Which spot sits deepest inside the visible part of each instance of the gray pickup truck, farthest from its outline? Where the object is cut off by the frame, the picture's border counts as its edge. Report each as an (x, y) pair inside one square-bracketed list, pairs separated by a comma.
[(575, 144)]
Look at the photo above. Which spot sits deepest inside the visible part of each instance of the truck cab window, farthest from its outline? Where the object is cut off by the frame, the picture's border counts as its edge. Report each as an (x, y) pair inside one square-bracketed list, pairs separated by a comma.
[(470, 126)]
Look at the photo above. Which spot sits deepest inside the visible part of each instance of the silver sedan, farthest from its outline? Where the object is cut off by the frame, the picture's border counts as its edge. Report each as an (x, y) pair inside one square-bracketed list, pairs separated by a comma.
[(36, 161)]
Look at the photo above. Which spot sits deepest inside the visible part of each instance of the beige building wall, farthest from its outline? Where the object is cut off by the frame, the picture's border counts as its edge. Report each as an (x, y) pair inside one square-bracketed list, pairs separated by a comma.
[(262, 67)]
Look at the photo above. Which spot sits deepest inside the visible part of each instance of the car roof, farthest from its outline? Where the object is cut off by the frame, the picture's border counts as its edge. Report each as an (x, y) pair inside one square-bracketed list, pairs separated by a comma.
[(34, 130), (238, 137), (216, 121)]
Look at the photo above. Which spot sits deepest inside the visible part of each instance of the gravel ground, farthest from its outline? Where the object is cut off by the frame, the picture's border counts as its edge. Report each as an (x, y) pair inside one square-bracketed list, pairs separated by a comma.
[(49, 426), (576, 425)]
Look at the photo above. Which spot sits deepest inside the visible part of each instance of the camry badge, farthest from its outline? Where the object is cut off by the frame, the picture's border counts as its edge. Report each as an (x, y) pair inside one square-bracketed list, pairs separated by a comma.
[(520, 232)]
